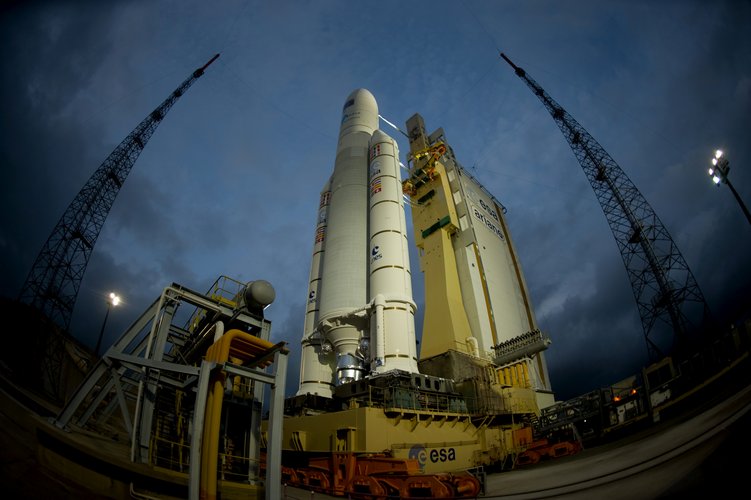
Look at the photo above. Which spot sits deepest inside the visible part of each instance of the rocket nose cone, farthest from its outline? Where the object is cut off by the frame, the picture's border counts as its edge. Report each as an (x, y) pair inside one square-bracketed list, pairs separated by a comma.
[(379, 136), (360, 113), (361, 98)]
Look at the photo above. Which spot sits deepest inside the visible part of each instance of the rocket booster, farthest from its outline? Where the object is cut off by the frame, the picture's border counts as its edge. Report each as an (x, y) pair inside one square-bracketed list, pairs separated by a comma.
[(315, 368), (360, 313), (392, 326)]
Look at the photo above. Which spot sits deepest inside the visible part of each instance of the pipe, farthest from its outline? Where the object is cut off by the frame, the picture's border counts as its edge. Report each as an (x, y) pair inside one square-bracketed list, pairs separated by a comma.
[(136, 494), (474, 346), (240, 345), (380, 303), (213, 435), (527, 379), (218, 330), (205, 450)]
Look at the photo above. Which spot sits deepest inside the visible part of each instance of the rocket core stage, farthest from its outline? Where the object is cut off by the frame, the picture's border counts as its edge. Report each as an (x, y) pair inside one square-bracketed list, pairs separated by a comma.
[(360, 312)]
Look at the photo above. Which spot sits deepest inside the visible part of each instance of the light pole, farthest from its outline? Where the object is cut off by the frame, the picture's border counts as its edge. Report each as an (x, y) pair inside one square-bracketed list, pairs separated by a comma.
[(719, 173), (112, 300)]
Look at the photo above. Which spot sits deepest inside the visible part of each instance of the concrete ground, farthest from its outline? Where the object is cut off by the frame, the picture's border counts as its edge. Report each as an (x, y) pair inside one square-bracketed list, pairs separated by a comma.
[(694, 458)]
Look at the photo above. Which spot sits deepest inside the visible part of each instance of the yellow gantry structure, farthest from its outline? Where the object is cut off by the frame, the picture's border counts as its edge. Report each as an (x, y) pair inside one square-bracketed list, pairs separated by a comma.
[(476, 299), (444, 308)]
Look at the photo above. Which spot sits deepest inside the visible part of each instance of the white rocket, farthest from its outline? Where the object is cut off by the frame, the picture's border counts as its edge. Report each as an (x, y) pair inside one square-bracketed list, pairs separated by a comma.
[(360, 312)]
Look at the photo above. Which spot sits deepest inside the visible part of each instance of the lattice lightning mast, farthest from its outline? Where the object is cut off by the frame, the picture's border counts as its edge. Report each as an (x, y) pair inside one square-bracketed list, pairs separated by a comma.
[(662, 282), (55, 278)]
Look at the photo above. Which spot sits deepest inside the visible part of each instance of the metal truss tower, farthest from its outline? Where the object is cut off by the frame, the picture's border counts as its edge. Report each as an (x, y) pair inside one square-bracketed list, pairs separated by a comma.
[(662, 282), (55, 278)]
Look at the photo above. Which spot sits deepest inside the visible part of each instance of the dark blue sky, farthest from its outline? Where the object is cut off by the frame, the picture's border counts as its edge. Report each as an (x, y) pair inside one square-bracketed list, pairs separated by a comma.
[(229, 183)]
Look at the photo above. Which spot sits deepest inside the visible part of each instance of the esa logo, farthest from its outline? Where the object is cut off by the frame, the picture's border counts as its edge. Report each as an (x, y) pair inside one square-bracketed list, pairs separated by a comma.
[(418, 453), (375, 254), (442, 455), (375, 168), (435, 455)]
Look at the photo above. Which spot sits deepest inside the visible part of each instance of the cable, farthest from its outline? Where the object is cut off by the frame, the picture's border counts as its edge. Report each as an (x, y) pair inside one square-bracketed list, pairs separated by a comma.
[(270, 103), (395, 127), (493, 40)]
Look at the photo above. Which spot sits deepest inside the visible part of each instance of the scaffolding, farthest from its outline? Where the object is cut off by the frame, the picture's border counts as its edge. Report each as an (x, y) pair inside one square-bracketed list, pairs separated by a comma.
[(162, 376)]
